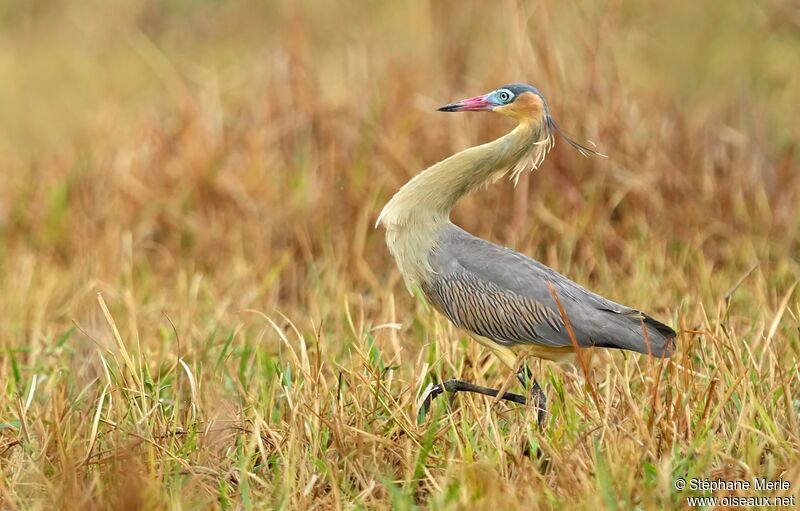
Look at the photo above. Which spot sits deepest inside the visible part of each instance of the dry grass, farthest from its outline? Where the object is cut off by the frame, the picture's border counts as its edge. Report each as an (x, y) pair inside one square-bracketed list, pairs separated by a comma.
[(196, 312)]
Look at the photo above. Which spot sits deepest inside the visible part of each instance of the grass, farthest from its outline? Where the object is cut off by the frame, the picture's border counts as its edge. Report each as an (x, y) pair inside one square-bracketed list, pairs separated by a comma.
[(195, 311)]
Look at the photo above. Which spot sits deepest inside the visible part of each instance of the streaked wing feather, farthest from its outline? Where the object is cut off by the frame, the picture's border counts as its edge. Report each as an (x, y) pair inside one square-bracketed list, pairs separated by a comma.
[(483, 308)]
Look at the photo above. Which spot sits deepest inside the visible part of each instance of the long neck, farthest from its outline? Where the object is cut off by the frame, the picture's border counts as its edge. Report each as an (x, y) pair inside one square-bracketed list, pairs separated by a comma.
[(414, 216), (430, 196)]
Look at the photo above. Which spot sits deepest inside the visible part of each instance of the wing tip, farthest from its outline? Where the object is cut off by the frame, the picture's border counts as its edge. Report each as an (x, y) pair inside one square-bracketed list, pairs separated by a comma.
[(665, 346)]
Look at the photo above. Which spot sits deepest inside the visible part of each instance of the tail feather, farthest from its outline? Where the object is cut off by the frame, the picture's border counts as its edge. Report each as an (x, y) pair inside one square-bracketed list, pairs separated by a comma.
[(664, 345), (625, 331)]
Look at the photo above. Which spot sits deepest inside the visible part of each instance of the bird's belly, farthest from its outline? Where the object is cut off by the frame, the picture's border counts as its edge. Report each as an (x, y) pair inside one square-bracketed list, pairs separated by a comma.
[(510, 354)]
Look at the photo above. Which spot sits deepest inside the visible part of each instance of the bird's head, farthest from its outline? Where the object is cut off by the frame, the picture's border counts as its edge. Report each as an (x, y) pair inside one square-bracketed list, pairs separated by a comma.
[(517, 100), (521, 102)]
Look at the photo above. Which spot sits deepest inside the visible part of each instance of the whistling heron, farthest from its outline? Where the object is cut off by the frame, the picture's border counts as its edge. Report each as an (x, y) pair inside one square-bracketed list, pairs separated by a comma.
[(508, 302)]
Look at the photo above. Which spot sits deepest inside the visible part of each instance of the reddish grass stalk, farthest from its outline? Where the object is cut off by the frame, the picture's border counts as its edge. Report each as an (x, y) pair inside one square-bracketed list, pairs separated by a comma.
[(575, 345), (654, 399), (646, 339), (711, 387)]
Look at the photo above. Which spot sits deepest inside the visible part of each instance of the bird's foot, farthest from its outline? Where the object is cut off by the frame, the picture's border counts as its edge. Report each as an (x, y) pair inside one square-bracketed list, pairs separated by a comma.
[(538, 397), (539, 400), (453, 386), (434, 391)]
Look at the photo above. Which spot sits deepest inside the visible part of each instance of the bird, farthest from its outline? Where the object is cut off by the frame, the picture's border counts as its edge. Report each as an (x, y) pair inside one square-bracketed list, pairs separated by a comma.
[(508, 302)]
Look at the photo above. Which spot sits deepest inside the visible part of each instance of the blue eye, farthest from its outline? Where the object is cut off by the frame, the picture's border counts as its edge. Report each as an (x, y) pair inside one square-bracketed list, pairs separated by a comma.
[(504, 95)]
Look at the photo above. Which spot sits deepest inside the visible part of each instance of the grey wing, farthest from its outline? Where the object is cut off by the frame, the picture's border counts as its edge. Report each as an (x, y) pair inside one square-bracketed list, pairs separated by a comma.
[(481, 307), (504, 295)]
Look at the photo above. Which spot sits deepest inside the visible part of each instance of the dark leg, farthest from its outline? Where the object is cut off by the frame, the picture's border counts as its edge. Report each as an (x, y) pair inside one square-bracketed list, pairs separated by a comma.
[(454, 386), (537, 394)]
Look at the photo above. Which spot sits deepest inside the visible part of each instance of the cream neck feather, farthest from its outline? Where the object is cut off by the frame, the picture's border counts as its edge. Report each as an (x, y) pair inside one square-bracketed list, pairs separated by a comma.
[(416, 213)]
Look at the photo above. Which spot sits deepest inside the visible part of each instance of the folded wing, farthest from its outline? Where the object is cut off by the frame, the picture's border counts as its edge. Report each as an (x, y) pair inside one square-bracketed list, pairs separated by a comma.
[(501, 294)]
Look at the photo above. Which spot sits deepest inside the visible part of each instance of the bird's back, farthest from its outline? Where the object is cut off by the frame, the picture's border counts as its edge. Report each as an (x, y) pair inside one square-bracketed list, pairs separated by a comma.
[(500, 294)]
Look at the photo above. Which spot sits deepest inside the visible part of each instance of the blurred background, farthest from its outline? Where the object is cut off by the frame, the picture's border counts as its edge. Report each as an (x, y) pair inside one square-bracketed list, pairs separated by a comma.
[(261, 139), (193, 159)]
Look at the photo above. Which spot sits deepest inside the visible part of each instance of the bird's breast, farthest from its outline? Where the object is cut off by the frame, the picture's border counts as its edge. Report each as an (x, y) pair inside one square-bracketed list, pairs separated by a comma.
[(411, 245)]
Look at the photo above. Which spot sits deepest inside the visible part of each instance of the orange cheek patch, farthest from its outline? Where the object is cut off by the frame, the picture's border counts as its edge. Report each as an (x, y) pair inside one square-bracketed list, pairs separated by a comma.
[(528, 105)]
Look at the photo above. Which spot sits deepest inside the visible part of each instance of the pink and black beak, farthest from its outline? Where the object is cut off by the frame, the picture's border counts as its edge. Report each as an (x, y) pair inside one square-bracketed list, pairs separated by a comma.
[(469, 105)]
